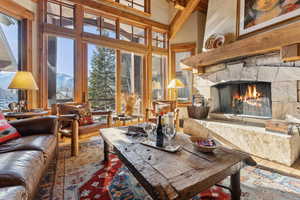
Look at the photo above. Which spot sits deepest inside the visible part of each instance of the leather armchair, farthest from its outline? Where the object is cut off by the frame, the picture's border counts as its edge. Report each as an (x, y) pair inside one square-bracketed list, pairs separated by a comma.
[(69, 124)]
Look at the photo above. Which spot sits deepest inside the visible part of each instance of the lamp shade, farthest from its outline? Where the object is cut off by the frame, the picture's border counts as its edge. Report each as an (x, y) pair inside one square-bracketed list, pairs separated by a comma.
[(175, 83), (23, 81)]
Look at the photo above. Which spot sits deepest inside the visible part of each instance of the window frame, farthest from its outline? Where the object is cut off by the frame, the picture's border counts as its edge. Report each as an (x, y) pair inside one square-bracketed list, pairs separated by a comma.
[(180, 48), (25, 18), (133, 25), (147, 6), (165, 71), (82, 39), (60, 16), (164, 41)]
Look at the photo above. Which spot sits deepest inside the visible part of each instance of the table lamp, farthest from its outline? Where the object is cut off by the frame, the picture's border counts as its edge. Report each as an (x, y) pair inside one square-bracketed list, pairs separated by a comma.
[(176, 84), (23, 81)]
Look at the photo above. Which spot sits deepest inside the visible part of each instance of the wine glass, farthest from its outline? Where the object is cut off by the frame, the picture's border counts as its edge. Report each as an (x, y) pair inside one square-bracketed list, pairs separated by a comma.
[(149, 129), (170, 133)]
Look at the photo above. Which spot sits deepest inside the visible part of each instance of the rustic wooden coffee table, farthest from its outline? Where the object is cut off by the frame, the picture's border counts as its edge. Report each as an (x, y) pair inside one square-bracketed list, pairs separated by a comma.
[(179, 175)]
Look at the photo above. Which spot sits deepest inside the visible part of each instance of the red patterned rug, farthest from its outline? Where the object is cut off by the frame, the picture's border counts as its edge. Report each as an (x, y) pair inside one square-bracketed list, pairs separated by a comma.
[(114, 182), (85, 178)]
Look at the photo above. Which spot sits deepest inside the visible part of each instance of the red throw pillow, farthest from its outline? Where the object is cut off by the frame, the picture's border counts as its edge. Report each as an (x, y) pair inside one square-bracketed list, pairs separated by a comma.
[(7, 132)]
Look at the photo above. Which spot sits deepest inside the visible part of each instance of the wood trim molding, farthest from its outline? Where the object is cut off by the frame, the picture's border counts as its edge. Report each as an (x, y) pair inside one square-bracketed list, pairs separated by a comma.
[(120, 13), (118, 5), (190, 46), (258, 44), (113, 43), (14, 9), (181, 17)]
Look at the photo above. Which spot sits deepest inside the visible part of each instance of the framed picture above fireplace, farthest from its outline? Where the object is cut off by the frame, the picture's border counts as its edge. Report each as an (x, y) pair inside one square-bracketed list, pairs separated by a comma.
[(257, 15)]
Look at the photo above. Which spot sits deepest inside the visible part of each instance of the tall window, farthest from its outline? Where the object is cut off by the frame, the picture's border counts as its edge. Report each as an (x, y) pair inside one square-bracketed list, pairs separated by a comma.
[(99, 25), (9, 57), (159, 73), (101, 77), (131, 82), (132, 33), (60, 70), (60, 14), (184, 94)]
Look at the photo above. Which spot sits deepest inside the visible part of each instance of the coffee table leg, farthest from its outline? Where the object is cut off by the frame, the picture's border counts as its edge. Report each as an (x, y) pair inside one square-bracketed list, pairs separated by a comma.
[(106, 152), (235, 186)]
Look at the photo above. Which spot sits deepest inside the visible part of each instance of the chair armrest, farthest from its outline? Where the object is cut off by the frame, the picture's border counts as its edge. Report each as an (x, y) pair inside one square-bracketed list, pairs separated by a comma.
[(68, 118), (33, 126), (99, 112)]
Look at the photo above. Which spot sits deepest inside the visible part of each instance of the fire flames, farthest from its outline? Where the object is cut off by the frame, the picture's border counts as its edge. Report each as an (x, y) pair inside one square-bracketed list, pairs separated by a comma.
[(251, 96)]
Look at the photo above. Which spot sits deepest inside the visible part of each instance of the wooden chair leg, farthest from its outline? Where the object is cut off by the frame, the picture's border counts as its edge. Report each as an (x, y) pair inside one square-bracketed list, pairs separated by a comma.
[(75, 139)]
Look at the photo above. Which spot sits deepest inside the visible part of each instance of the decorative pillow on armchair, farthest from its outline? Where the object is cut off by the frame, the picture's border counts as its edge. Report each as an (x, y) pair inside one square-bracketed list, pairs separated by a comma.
[(83, 111), (7, 132)]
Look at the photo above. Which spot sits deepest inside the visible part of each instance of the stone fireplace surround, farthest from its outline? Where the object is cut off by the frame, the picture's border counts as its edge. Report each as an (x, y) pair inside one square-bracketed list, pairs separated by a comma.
[(250, 137)]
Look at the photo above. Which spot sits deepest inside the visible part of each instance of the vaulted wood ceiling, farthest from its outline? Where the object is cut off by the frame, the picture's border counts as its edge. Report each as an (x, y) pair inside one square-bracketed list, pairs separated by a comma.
[(181, 4)]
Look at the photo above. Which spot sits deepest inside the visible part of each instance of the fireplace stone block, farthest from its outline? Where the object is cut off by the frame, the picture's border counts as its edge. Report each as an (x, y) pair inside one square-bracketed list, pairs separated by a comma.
[(281, 148)]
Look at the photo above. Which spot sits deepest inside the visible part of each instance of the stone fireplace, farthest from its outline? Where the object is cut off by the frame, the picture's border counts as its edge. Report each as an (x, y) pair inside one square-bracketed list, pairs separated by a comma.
[(244, 98), (243, 95), (276, 83)]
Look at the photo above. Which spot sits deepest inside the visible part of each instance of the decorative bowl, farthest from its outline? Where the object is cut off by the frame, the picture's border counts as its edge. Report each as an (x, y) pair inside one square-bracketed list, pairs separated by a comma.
[(203, 144)]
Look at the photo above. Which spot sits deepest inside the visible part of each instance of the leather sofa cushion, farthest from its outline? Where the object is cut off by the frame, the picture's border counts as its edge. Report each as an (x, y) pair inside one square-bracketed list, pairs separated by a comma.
[(22, 168), (13, 193), (43, 142)]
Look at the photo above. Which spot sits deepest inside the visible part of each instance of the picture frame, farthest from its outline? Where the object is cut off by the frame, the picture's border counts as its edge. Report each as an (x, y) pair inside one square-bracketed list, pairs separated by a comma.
[(255, 16)]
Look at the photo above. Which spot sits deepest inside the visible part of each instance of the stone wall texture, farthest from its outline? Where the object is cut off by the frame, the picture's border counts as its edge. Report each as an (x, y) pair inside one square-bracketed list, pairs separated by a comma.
[(284, 78), (281, 148)]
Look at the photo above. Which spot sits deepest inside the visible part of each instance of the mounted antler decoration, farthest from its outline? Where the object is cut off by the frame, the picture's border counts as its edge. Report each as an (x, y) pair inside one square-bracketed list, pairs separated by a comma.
[(178, 4)]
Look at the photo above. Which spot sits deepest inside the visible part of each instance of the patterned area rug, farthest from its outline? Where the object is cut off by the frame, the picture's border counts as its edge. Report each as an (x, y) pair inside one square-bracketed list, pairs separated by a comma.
[(85, 178)]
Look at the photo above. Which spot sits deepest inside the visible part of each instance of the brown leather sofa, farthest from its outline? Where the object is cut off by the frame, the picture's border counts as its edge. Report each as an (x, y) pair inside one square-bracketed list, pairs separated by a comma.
[(23, 161)]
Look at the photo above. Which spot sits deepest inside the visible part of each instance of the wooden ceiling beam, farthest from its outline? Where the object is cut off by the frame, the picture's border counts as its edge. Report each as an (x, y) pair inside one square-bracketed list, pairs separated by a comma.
[(181, 17), (16, 10), (202, 6)]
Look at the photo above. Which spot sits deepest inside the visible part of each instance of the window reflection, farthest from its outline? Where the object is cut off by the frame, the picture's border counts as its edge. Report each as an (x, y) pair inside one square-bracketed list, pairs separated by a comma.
[(9, 58)]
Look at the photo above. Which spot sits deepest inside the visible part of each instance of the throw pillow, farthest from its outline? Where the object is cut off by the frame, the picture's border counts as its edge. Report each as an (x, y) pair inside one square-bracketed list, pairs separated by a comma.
[(7, 132)]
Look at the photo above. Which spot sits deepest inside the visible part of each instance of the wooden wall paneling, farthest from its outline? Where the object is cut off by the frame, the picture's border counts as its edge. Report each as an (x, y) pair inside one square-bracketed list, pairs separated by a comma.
[(79, 65), (120, 13), (118, 81)]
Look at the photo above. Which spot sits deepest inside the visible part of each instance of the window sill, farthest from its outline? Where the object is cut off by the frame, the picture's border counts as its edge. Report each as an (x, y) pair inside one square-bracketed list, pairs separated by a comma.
[(118, 5)]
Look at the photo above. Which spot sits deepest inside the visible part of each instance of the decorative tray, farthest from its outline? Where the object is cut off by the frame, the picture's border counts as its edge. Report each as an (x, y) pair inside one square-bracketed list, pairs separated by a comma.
[(169, 148)]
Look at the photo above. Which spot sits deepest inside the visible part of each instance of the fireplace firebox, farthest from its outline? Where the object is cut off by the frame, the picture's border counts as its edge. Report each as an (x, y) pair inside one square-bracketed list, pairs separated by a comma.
[(244, 98)]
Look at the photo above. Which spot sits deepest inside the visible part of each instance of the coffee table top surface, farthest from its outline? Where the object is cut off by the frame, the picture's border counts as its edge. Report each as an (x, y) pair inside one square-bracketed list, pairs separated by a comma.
[(177, 175)]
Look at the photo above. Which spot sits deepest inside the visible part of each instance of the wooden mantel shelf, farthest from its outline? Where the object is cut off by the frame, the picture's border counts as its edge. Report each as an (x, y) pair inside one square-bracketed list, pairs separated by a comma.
[(258, 44)]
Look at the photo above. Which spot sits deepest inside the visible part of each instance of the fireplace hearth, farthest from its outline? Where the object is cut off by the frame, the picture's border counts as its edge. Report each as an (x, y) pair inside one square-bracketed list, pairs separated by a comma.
[(244, 98)]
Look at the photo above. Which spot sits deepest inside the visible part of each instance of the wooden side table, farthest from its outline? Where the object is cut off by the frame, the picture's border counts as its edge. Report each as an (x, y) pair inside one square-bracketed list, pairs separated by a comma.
[(24, 115)]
